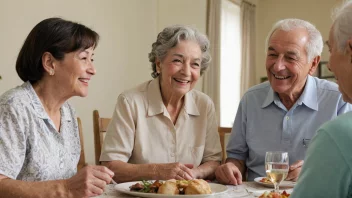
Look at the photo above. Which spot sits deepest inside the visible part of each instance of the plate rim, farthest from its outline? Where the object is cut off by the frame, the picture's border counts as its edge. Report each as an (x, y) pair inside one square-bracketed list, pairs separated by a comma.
[(141, 194), (257, 180)]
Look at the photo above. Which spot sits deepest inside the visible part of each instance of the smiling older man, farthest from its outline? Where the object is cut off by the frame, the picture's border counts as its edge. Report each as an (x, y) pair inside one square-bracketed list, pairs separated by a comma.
[(284, 113)]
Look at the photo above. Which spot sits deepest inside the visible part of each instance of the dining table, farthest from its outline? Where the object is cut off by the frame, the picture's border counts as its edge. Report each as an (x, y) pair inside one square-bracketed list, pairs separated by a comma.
[(245, 190)]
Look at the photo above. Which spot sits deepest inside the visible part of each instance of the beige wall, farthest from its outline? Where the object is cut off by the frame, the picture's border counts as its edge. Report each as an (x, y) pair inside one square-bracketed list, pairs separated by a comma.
[(127, 29), (317, 12)]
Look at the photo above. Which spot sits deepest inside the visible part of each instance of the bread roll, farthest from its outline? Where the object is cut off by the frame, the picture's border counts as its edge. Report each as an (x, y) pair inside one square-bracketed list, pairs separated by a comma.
[(169, 188), (198, 186)]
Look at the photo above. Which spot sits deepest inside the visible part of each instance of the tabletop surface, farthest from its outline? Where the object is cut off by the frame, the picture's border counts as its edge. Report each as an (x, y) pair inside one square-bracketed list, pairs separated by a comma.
[(246, 190)]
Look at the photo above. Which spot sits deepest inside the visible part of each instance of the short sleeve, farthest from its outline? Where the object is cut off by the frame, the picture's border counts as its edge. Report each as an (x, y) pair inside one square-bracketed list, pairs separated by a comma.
[(237, 147), (12, 142), (119, 140), (212, 149)]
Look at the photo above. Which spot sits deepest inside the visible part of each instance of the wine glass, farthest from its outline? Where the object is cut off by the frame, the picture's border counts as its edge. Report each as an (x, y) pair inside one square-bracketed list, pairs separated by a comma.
[(276, 167)]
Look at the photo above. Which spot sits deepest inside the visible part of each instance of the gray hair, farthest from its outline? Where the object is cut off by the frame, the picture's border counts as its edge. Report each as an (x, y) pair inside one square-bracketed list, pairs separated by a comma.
[(170, 37), (342, 30), (315, 44)]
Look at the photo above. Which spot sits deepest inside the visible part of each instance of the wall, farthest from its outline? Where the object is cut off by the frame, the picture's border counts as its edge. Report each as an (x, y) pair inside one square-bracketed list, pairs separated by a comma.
[(127, 29), (317, 12)]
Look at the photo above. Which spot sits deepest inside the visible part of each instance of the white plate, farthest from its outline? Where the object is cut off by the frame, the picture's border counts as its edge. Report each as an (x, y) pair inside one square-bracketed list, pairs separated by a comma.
[(284, 184), (125, 188)]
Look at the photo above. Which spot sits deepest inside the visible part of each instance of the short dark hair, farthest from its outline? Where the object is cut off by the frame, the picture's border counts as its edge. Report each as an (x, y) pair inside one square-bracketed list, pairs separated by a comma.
[(56, 36)]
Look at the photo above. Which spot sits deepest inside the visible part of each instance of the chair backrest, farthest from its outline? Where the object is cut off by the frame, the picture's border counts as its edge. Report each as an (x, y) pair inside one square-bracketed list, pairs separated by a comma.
[(82, 159), (222, 132), (100, 126)]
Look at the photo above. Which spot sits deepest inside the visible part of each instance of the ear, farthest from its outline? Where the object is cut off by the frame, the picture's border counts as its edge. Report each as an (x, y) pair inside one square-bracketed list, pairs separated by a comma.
[(349, 48), (48, 62), (314, 65), (157, 65)]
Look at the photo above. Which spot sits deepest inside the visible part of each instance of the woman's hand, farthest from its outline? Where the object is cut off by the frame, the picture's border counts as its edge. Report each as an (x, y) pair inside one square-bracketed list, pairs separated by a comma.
[(89, 181), (174, 171)]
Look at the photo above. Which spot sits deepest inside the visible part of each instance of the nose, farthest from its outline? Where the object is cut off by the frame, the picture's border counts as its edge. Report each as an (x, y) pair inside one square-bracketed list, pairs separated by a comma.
[(328, 66), (91, 69), (279, 63), (186, 69)]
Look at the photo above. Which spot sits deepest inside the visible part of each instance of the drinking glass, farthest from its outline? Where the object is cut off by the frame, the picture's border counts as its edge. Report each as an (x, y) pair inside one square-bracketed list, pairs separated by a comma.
[(276, 167)]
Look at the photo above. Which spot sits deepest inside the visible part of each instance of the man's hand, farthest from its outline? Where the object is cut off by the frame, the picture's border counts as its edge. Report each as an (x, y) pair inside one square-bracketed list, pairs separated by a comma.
[(294, 170), (228, 174)]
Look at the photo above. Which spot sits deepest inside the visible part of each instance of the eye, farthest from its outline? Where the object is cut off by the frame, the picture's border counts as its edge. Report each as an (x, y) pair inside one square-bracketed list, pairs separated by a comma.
[(177, 60), (272, 55), (92, 60), (290, 58), (196, 64)]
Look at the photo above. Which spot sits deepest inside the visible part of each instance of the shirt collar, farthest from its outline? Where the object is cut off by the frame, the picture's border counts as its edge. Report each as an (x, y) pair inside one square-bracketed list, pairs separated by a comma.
[(308, 97), (38, 106), (155, 101)]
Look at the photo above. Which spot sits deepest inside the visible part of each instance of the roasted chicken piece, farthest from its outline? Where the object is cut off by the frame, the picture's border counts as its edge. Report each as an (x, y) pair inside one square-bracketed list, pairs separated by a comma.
[(169, 188), (197, 186)]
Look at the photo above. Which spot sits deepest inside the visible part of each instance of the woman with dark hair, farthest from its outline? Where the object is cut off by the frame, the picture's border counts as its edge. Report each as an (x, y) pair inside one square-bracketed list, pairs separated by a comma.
[(39, 139), (164, 129)]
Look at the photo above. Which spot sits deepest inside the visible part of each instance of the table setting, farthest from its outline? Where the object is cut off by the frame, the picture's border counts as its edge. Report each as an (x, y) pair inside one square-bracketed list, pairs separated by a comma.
[(276, 167)]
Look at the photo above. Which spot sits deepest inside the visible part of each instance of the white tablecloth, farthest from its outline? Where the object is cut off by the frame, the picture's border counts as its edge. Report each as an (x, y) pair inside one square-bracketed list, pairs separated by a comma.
[(246, 190)]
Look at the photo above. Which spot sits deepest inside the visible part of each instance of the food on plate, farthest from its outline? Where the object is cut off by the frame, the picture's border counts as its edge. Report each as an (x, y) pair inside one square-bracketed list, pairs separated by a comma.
[(267, 194), (169, 188), (266, 180), (197, 186), (173, 187)]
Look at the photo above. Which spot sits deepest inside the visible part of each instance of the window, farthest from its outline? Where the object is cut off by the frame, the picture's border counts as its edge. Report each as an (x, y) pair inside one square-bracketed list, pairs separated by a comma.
[(230, 62)]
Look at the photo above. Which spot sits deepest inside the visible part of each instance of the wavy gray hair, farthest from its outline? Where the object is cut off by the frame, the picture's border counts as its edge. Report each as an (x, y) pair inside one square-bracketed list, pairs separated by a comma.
[(342, 22), (315, 44), (170, 37)]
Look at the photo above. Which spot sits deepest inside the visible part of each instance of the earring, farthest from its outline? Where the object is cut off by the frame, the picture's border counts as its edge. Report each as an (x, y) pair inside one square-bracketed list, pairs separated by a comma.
[(51, 72)]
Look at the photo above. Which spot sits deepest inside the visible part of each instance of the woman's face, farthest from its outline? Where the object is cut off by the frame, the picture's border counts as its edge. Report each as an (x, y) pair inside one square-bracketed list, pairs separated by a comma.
[(340, 65), (180, 69), (75, 71)]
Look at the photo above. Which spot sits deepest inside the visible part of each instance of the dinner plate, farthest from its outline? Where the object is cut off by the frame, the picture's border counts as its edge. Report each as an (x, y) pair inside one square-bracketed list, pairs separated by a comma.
[(284, 184), (125, 188)]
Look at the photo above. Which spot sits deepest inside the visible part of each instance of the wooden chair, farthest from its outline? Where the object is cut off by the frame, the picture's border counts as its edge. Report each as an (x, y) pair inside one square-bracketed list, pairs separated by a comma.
[(222, 132), (100, 126), (82, 159)]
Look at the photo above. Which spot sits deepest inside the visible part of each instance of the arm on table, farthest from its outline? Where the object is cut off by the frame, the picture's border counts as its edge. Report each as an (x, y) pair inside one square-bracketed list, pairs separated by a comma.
[(125, 172), (90, 181), (231, 172), (207, 170)]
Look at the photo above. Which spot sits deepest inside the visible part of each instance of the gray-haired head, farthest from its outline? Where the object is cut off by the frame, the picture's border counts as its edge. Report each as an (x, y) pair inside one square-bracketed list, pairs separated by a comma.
[(315, 43), (170, 37), (342, 25)]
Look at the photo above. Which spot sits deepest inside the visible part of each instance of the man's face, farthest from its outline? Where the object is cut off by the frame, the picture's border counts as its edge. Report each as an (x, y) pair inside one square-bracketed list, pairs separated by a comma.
[(287, 62), (340, 65)]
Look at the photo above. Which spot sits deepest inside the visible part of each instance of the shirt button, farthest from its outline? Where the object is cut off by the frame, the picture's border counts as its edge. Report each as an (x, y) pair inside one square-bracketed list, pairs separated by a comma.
[(61, 165), (172, 154), (287, 118)]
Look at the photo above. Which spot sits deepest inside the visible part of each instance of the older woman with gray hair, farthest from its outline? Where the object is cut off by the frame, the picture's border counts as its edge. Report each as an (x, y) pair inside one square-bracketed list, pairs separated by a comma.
[(327, 170), (163, 128)]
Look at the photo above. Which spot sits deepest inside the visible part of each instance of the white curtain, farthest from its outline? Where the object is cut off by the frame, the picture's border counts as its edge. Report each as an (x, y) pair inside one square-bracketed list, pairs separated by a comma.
[(211, 78), (248, 75)]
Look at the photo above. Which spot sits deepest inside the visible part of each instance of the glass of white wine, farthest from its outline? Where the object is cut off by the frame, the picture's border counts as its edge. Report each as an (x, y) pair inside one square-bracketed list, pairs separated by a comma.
[(276, 166)]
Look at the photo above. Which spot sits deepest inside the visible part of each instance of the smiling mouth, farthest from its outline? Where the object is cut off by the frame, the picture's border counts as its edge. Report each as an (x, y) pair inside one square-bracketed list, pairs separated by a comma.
[(85, 80), (280, 77), (181, 81)]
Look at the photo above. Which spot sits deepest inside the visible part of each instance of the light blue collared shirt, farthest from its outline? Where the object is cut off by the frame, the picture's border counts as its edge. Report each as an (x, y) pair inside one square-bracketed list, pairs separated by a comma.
[(264, 124)]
